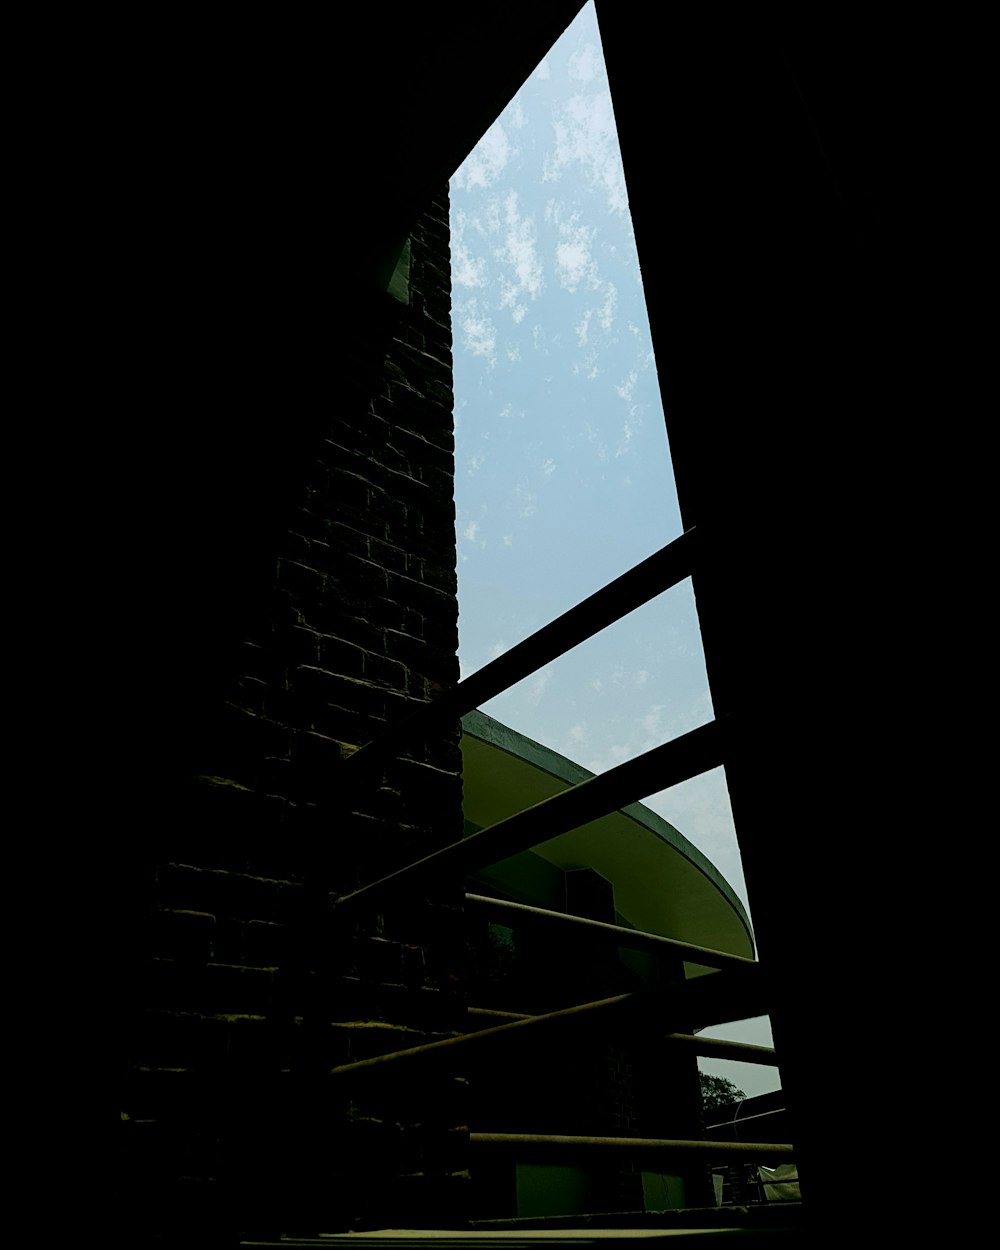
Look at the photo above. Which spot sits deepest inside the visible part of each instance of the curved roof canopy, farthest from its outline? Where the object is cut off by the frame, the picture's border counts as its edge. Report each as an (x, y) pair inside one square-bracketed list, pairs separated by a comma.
[(662, 883)]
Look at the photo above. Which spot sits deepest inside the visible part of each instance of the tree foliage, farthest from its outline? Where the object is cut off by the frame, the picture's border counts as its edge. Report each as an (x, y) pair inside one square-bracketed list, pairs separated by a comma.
[(717, 1091)]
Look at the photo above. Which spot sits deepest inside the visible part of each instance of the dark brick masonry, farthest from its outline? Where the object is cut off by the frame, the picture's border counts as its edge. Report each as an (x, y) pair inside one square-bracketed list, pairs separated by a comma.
[(359, 625)]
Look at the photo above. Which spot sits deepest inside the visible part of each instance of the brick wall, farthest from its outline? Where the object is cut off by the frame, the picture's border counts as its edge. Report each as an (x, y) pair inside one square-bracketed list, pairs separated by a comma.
[(228, 1120)]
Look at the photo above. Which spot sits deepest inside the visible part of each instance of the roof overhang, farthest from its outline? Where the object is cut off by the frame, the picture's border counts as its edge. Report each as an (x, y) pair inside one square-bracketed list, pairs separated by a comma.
[(662, 883)]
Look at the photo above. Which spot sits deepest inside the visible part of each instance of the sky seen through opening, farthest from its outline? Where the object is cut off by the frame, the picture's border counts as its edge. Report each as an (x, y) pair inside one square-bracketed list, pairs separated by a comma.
[(563, 473)]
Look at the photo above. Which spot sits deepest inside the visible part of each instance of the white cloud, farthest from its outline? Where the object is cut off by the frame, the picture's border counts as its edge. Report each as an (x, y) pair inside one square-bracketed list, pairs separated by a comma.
[(585, 64), (487, 160), (548, 467), (543, 72), (625, 442), (585, 136), (497, 649), (607, 313), (508, 540), (633, 420), (478, 332), (539, 685), (476, 462), (627, 388), (466, 269), (632, 678), (470, 531), (524, 501), (520, 252), (490, 219), (573, 262), (651, 725), (583, 329)]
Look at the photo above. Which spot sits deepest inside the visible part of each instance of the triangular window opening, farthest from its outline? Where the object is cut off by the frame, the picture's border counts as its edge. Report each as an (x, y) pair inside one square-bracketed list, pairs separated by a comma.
[(563, 472)]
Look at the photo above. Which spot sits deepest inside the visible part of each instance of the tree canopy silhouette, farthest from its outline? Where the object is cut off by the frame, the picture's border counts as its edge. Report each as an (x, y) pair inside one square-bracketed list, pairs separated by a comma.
[(717, 1091)]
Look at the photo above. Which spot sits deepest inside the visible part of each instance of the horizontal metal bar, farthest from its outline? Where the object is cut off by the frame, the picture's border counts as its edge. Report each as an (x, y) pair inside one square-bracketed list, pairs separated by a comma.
[(635, 939), (713, 999), (678, 760), (770, 1218), (745, 1119), (665, 568), (548, 1144), (709, 1047)]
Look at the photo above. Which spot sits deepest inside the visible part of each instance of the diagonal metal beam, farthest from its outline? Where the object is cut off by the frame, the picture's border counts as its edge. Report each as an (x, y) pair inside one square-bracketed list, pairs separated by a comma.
[(713, 999), (693, 753), (717, 1048), (665, 568)]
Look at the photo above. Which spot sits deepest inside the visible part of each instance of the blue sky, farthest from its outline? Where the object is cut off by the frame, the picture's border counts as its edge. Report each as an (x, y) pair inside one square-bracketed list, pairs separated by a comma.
[(563, 475)]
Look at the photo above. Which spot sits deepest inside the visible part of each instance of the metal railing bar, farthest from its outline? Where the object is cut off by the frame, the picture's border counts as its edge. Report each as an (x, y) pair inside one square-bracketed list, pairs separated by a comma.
[(500, 1033), (578, 1227), (554, 1143), (649, 578), (713, 999), (635, 939), (675, 761), (491, 1014), (708, 1047), (745, 1119)]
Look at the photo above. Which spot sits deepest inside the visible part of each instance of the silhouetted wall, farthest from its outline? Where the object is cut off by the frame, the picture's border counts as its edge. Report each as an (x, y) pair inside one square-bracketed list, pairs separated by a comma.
[(228, 1120)]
